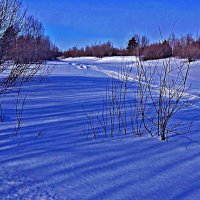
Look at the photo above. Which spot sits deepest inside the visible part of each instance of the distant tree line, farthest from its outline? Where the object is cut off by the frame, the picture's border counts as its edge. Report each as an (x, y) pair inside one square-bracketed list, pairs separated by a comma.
[(97, 50), (23, 40), (138, 45)]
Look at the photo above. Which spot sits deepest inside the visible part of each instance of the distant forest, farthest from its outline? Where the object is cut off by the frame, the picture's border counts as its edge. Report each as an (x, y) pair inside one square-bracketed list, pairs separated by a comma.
[(138, 45), (22, 38)]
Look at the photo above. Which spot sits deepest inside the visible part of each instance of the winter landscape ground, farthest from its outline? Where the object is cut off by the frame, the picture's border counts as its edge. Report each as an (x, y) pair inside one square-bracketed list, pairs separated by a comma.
[(53, 159)]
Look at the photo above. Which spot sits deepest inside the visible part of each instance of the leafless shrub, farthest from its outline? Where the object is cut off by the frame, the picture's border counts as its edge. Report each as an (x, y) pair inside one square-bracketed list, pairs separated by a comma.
[(19, 108), (144, 102), (92, 123), (114, 115), (167, 95), (103, 115)]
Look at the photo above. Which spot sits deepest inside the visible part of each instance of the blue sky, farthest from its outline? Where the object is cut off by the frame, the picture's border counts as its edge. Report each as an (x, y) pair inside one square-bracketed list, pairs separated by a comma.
[(81, 22)]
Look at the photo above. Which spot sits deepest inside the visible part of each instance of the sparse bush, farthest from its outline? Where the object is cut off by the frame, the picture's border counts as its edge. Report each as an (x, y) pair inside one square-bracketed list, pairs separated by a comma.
[(164, 88), (144, 102)]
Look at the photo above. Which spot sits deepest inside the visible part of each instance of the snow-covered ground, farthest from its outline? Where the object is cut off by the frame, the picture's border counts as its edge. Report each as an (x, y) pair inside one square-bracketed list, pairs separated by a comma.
[(52, 159)]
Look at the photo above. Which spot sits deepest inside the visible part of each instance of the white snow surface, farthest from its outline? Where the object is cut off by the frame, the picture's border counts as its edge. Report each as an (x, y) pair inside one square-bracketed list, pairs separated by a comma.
[(53, 159)]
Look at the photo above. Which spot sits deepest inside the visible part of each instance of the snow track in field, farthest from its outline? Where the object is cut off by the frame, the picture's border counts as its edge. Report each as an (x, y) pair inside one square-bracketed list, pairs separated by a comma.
[(115, 74)]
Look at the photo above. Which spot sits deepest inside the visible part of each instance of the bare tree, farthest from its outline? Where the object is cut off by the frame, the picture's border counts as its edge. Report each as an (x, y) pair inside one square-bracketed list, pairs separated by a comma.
[(13, 74)]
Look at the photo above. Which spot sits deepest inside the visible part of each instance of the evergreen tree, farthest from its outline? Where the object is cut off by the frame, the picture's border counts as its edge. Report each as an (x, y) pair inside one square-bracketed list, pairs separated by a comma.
[(132, 43)]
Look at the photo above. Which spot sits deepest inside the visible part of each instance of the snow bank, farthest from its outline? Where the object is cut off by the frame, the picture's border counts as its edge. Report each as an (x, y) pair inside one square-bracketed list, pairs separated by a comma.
[(113, 59), (117, 59), (81, 59)]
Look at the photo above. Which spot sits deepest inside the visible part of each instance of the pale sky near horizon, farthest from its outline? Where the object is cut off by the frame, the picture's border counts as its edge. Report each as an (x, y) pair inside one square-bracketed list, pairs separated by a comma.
[(81, 22)]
